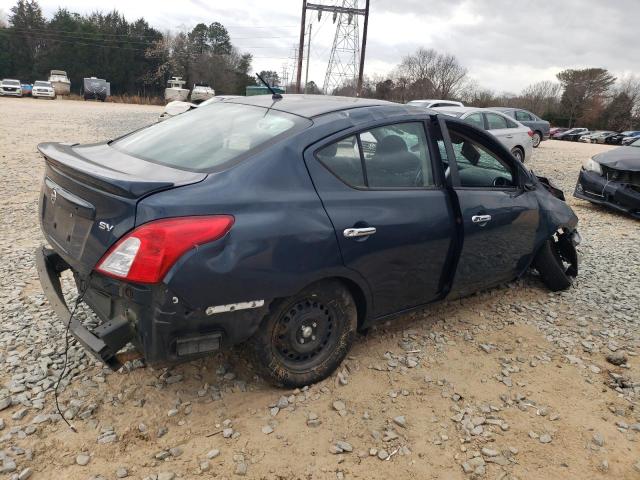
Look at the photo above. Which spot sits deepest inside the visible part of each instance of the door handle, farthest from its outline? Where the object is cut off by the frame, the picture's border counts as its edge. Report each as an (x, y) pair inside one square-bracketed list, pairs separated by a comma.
[(359, 232), (481, 219), (509, 136)]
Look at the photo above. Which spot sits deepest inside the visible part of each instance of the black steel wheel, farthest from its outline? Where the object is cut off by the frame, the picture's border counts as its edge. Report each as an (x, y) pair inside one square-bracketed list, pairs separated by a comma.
[(303, 339)]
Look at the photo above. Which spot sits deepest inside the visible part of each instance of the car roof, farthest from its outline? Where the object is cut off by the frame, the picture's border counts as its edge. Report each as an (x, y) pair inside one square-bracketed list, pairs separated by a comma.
[(309, 105), (463, 110)]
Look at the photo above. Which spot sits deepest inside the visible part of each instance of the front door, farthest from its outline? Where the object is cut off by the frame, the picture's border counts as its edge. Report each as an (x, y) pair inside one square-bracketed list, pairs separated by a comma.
[(393, 221), (499, 216)]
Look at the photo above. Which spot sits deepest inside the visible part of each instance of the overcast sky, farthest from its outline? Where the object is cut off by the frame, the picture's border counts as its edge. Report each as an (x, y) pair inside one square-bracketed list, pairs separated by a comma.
[(505, 44)]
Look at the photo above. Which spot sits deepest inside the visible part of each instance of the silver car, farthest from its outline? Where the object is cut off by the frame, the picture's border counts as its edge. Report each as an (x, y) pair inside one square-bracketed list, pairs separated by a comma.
[(511, 133)]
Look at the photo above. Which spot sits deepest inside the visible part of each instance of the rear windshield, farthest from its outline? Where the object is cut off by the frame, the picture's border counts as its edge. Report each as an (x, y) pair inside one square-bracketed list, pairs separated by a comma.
[(207, 138)]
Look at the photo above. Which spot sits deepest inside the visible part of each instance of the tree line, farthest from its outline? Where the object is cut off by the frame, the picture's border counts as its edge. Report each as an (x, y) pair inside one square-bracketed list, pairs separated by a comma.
[(136, 58)]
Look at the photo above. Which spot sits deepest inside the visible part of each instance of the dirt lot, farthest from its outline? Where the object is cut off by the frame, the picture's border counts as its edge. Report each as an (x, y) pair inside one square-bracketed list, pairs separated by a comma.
[(511, 383)]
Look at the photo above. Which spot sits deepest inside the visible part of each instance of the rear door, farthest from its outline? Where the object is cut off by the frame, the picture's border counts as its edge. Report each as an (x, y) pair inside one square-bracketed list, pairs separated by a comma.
[(499, 216), (392, 216)]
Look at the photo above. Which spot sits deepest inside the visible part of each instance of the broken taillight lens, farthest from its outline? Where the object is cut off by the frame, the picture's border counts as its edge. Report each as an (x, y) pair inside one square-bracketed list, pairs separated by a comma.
[(146, 254)]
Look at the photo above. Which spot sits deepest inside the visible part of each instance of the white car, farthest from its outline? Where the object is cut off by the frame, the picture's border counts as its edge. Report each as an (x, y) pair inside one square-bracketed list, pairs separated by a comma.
[(10, 88), (435, 103), (43, 89), (177, 107), (511, 133)]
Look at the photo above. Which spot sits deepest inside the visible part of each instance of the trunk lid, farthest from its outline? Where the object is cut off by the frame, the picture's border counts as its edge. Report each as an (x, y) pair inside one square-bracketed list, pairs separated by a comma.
[(89, 197)]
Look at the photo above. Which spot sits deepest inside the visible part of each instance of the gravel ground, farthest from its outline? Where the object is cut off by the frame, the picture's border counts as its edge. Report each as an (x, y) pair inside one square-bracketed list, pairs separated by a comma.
[(511, 383)]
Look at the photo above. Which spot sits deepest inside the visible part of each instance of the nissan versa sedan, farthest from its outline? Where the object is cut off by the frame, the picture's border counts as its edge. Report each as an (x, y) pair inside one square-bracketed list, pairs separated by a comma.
[(264, 222), (612, 178), (513, 135)]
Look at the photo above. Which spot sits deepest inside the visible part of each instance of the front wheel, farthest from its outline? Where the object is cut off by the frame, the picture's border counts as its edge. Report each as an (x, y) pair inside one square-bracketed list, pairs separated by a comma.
[(304, 338), (536, 139), (557, 262)]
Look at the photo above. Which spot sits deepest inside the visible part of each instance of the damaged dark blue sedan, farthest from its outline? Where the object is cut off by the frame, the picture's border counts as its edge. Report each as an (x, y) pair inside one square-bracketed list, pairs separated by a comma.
[(288, 224)]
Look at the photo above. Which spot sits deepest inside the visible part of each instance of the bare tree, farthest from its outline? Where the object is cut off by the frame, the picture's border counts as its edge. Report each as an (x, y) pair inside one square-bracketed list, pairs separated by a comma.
[(541, 97), (430, 74)]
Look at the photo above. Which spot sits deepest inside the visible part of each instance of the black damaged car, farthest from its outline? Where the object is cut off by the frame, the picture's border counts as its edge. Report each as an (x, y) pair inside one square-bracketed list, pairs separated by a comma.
[(612, 178), (288, 224)]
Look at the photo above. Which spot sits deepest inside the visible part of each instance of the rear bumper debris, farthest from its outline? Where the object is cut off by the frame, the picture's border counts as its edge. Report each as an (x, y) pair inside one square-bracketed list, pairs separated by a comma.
[(105, 342), (162, 327), (599, 190)]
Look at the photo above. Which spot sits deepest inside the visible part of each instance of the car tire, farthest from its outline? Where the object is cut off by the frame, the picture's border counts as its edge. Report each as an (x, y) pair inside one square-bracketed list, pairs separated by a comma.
[(536, 139), (557, 263), (518, 153), (304, 338)]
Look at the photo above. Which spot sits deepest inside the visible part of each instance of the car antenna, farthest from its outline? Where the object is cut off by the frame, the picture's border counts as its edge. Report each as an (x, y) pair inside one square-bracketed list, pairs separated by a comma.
[(274, 95)]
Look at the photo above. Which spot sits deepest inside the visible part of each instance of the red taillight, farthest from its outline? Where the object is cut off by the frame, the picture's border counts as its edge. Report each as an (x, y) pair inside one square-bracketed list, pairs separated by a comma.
[(530, 132), (146, 254)]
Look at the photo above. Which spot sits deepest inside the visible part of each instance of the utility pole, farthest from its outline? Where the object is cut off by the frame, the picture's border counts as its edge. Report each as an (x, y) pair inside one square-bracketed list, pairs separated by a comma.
[(346, 42), (306, 77), (301, 45), (363, 50)]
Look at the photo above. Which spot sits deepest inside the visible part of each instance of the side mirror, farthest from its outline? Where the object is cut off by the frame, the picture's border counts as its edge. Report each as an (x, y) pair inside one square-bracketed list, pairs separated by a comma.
[(529, 186), (470, 153)]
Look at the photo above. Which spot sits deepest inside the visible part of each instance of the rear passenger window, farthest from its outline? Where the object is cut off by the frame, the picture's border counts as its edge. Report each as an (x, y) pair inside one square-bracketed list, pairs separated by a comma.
[(343, 159), (393, 156), (397, 156), (523, 116), (496, 121), (476, 120)]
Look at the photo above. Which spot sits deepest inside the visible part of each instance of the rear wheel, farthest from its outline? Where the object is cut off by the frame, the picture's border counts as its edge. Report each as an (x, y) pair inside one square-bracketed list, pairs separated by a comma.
[(518, 153), (304, 338), (557, 263), (536, 139)]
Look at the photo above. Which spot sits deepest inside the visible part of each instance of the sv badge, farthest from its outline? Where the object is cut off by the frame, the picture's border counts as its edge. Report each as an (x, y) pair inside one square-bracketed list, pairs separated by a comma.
[(105, 226)]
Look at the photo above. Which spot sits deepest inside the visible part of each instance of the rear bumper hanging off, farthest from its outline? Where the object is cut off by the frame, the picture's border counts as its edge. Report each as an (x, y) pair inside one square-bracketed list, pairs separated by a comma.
[(107, 339)]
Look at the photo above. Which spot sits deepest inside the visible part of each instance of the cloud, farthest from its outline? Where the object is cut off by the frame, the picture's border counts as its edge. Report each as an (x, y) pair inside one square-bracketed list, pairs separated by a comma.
[(505, 44)]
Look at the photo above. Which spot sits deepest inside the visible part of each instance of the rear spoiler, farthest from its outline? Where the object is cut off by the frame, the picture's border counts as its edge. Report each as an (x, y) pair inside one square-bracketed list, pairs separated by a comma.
[(110, 170)]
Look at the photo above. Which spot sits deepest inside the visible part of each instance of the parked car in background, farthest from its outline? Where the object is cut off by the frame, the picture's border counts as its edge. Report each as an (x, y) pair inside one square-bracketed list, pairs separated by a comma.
[(435, 103), (556, 130), (177, 107), (201, 92), (575, 136), (26, 89), (43, 89), (540, 128), (628, 140), (261, 220), (10, 88), (599, 136), (60, 81), (95, 89), (571, 131), (513, 135), (612, 178), (616, 139)]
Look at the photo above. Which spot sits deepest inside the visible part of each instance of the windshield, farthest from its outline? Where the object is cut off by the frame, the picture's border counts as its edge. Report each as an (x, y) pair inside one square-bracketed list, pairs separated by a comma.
[(41, 84), (11, 82), (207, 138)]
